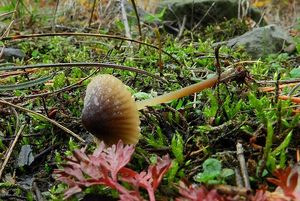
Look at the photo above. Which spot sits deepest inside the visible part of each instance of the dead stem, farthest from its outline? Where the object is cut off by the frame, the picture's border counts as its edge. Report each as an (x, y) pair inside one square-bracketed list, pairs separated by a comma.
[(44, 117), (243, 166), (9, 151), (89, 35), (137, 18), (83, 64), (72, 86), (183, 92)]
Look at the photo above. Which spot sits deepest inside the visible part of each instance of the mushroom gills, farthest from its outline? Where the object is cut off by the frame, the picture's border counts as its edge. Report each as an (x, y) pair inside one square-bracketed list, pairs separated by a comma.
[(110, 112)]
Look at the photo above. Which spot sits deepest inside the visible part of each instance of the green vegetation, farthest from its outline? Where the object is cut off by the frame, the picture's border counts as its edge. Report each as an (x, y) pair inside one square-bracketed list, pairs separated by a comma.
[(199, 132), (213, 172)]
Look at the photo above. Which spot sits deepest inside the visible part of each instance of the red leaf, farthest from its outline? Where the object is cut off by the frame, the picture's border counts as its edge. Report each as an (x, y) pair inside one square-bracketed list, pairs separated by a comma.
[(102, 167), (158, 171), (106, 166), (293, 181), (80, 155), (195, 193), (287, 180), (260, 195), (116, 157), (282, 177), (75, 172), (151, 179), (72, 191)]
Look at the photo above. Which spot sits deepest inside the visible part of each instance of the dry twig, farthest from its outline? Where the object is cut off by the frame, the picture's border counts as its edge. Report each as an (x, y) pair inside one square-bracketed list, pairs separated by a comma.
[(243, 166), (89, 35), (44, 117), (125, 21), (9, 151)]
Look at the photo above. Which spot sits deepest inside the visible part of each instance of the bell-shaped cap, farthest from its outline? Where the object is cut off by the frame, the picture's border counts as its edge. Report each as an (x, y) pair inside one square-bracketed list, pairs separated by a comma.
[(110, 112)]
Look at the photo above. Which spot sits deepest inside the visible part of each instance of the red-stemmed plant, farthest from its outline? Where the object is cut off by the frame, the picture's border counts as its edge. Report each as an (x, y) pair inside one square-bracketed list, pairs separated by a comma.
[(106, 166)]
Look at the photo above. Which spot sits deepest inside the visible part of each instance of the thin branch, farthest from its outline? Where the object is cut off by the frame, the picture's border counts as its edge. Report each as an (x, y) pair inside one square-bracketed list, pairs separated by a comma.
[(137, 18), (125, 21), (89, 35), (280, 82), (54, 16), (44, 117), (8, 13), (277, 87), (92, 13), (2, 49), (72, 86), (182, 26), (238, 178), (9, 152), (38, 194), (6, 32), (17, 119), (160, 62), (241, 159), (13, 73), (69, 65), (200, 21), (294, 89)]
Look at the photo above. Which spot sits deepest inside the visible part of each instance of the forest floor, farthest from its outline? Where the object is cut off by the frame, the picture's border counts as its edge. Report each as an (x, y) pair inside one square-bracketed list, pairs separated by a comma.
[(227, 142)]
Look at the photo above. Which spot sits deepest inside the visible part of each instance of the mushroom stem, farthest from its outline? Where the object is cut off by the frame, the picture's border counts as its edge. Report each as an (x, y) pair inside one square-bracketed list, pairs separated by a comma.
[(182, 92)]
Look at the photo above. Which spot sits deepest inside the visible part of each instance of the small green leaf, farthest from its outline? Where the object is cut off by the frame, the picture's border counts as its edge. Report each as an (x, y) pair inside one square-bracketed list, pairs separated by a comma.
[(158, 140), (269, 138), (271, 163), (150, 18), (227, 172), (283, 145), (282, 160), (59, 80), (212, 169), (77, 72), (211, 111), (40, 127), (177, 147), (6, 8), (212, 165), (153, 159), (35, 53), (142, 96), (173, 171), (205, 177), (295, 73)]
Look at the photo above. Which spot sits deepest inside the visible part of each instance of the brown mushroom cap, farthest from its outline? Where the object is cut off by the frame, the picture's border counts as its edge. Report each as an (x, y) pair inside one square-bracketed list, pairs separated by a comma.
[(110, 112)]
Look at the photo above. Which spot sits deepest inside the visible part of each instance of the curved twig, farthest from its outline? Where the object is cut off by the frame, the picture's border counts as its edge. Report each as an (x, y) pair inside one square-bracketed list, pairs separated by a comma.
[(69, 65), (44, 117), (9, 151), (75, 85), (89, 35)]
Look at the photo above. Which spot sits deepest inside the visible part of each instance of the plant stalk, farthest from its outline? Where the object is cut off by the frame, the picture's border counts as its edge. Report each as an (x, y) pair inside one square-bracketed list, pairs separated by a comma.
[(182, 92)]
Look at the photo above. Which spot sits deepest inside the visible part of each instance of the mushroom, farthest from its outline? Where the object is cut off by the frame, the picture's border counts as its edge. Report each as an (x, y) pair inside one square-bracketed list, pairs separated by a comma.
[(110, 113)]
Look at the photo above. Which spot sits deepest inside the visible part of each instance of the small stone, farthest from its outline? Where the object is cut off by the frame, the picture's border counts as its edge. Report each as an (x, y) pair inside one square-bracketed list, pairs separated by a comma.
[(262, 41), (25, 157), (205, 12), (10, 53)]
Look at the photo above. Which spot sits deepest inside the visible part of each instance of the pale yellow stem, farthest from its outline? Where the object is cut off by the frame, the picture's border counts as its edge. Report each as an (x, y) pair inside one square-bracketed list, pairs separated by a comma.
[(182, 92)]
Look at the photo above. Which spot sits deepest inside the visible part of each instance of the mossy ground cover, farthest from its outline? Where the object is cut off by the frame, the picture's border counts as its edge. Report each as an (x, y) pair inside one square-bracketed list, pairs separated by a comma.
[(199, 132)]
